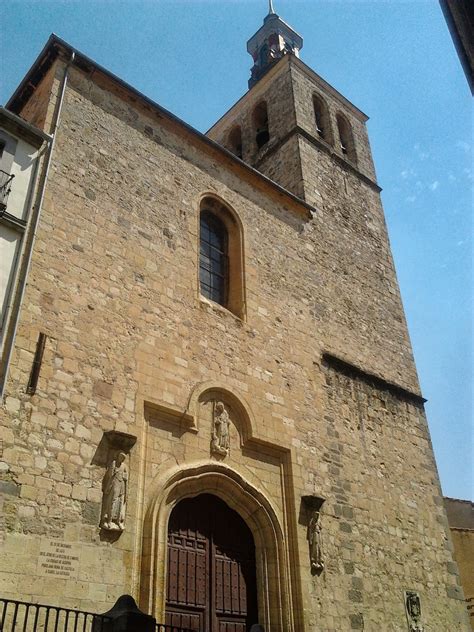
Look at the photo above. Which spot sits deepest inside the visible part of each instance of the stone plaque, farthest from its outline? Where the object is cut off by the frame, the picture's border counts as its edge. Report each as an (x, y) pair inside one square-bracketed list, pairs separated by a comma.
[(58, 559)]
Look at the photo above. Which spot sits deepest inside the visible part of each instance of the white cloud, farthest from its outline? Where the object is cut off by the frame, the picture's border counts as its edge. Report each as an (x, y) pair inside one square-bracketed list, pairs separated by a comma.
[(421, 153), (410, 198), (407, 173), (462, 144), (434, 185)]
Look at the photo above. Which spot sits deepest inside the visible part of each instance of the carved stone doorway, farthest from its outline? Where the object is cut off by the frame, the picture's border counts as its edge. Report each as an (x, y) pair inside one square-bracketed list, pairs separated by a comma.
[(211, 584)]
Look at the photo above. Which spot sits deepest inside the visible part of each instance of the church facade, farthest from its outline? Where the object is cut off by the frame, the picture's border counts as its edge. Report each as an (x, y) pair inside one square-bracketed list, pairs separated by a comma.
[(211, 401)]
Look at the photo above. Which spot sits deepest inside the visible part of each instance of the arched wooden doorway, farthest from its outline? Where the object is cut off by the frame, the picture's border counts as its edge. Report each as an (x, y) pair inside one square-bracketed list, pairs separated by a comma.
[(211, 584)]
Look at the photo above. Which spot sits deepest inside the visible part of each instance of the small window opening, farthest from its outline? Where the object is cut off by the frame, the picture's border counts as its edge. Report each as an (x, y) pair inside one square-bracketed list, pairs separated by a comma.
[(263, 56), (346, 139), (213, 263), (260, 118), (322, 119), (235, 141)]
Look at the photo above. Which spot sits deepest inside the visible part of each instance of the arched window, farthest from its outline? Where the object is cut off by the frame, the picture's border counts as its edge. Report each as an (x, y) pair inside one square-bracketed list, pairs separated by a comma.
[(213, 266), (260, 121), (346, 138), (221, 276), (235, 141), (322, 119)]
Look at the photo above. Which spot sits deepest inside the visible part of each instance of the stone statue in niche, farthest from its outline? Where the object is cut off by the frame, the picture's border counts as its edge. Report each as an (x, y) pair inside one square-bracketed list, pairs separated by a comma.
[(413, 609), (114, 494), (315, 542), (220, 430)]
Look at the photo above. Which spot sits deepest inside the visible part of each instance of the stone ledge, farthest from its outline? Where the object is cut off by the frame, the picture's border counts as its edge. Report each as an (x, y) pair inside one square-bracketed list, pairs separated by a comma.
[(345, 164), (369, 378)]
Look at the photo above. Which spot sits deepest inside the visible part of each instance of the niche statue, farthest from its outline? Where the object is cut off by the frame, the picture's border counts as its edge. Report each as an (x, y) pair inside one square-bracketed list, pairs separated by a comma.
[(315, 543), (220, 430), (114, 494)]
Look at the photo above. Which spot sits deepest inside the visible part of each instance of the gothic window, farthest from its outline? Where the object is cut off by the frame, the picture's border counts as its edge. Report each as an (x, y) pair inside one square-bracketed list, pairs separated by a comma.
[(260, 120), (235, 141), (346, 138), (322, 119), (221, 256)]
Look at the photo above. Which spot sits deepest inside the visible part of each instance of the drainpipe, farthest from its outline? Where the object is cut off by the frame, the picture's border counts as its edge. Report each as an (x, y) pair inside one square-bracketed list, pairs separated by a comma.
[(31, 238)]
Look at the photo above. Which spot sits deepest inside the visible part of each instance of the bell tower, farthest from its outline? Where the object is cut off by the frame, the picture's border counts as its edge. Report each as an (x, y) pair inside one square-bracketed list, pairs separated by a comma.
[(299, 131), (273, 40), (292, 125)]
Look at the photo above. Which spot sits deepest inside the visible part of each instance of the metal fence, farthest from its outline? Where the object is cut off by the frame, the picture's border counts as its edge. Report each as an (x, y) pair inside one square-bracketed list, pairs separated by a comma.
[(161, 627), (21, 616)]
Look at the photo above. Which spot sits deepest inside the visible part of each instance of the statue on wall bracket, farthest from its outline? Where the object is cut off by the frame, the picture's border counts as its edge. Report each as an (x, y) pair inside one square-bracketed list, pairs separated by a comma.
[(116, 481), (114, 494), (413, 610), (313, 505), (220, 443)]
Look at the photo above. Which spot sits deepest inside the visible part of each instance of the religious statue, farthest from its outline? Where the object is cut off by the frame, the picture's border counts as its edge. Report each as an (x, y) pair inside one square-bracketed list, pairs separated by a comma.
[(220, 431), (413, 608), (315, 543), (114, 494)]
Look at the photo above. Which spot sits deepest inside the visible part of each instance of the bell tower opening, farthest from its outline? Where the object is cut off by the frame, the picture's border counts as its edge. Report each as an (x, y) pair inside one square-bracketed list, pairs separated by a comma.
[(211, 577)]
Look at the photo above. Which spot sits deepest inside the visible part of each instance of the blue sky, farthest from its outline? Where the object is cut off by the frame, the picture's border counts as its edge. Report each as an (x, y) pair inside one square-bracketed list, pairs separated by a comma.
[(393, 59)]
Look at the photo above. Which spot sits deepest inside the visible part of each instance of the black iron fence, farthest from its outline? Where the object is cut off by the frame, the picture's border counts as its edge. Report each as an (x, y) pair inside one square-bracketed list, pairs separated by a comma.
[(161, 627), (5, 188), (21, 616)]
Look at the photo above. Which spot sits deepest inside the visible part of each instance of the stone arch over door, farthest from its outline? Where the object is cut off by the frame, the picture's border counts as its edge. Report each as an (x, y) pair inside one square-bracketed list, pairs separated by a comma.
[(273, 582)]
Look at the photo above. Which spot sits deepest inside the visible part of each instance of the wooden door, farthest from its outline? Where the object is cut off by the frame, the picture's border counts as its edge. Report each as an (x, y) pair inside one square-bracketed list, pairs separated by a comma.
[(211, 568)]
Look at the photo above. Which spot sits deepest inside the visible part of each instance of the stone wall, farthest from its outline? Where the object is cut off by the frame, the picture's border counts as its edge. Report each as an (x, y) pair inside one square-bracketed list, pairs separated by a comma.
[(348, 287), (380, 522), (461, 523), (114, 286)]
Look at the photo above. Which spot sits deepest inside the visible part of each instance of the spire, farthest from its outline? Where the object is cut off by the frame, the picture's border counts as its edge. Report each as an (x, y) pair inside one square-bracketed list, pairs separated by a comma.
[(273, 40)]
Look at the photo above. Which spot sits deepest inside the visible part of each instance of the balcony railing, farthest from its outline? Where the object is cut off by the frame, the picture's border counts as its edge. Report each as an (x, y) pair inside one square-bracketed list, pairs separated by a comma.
[(5, 188)]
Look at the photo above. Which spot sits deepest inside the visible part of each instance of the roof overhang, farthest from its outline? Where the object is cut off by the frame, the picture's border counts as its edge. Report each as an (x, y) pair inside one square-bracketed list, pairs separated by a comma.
[(21, 128)]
